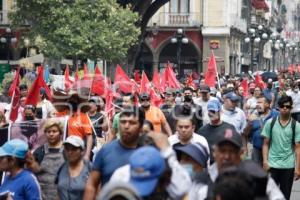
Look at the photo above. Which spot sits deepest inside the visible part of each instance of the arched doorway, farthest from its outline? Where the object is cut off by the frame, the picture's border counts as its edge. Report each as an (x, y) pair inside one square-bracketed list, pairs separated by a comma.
[(145, 61), (187, 63)]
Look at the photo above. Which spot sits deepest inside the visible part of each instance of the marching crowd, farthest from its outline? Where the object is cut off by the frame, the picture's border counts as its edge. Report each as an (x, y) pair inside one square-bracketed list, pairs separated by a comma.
[(231, 143)]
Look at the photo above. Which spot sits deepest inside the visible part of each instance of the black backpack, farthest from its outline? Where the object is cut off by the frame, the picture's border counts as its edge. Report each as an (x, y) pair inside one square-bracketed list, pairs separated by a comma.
[(293, 129)]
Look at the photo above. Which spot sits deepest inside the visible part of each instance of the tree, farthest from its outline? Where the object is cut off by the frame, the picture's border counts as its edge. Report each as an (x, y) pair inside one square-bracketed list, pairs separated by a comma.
[(79, 28)]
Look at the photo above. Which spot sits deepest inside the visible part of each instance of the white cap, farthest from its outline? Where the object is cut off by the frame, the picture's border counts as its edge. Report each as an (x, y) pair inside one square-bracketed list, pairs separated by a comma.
[(74, 140)]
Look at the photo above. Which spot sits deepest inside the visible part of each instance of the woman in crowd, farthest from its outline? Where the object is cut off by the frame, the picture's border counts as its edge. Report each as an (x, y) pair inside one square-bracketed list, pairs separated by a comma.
[(47, 159), (73, 174), (19, 183)]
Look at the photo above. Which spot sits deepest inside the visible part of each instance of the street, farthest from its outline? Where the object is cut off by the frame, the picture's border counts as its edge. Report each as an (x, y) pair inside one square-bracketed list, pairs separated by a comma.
[(296, 191)]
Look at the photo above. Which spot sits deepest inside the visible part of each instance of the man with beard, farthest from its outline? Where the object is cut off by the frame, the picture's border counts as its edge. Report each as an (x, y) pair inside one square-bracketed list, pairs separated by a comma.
[(215, 127), (256, 123), (154, 115), (116, 153), (281, 147)]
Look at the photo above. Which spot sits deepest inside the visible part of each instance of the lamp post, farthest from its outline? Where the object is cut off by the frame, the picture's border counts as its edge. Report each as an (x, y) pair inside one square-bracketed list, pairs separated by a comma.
[(275, 41), (9, 39), (179, 38), (255, 36), (26, 43)]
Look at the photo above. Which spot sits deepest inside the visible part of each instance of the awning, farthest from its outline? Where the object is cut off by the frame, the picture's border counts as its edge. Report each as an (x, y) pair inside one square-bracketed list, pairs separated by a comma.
[(260, 5)]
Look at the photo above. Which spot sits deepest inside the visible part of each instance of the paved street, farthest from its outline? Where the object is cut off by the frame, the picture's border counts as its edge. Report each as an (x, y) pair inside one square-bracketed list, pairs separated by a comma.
[(296, 191)]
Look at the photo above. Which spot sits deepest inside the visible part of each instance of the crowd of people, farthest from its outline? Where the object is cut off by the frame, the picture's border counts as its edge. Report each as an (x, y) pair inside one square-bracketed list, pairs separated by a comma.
[(226, 143)]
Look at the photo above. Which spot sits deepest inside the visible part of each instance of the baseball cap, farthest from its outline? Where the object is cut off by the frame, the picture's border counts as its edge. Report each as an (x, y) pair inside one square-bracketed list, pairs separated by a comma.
[(15, 147), (214, 105), (144, 96), (74, 140), (204, 88), (42, 91), (267, 95), (232, 96), (195, 150), (252, 85), (231, 136), (146, 167)]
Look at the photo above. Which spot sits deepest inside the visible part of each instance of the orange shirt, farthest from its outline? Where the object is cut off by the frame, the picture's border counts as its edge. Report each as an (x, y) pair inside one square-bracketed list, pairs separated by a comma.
[(80, 125), (156, 117)]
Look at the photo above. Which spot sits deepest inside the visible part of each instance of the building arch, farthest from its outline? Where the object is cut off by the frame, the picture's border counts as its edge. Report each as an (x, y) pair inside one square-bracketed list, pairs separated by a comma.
[(191, 56)]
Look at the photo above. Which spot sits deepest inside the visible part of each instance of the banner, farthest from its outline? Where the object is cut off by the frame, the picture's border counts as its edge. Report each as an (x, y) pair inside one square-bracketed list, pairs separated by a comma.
[(32, 132)]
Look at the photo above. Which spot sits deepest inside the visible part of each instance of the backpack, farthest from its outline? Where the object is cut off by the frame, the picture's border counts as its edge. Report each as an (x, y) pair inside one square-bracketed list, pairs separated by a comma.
[(293, 129)]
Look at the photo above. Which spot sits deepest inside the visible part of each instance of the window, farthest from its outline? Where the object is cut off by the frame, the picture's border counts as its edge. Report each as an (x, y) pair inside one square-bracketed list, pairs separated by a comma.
[(179, 6)]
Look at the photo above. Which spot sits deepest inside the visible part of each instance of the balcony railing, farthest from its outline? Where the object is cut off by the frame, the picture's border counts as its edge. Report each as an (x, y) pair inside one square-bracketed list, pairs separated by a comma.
[(176, 19), (4, 17)]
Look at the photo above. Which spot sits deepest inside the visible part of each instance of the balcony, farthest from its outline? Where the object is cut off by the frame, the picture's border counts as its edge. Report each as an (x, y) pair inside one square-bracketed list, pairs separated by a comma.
[(4, 17), (176, 19)]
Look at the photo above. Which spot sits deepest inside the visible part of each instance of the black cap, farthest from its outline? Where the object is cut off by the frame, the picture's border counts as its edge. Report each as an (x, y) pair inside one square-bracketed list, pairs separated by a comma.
[(204, 88), (231, 136)]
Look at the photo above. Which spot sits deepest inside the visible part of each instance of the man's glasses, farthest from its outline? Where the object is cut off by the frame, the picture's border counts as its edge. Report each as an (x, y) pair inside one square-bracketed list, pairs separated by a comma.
[(142, 100), (285, 106)]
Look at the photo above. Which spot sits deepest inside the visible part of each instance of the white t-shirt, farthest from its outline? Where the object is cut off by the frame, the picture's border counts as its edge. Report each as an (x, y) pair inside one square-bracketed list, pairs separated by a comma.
[(203, 105), (174, 139), (296, 100)]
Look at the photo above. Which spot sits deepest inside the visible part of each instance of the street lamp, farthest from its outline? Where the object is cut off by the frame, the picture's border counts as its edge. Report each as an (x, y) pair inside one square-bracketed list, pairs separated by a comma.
[(26, 43), (9, 39), (179, 38), (255, 36)]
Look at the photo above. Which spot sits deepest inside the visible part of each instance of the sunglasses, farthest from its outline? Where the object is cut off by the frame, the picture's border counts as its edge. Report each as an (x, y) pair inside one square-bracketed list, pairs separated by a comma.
[(285, 106)]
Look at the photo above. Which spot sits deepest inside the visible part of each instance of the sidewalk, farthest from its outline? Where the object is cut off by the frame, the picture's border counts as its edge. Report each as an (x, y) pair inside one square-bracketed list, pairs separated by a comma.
[(296, 191)]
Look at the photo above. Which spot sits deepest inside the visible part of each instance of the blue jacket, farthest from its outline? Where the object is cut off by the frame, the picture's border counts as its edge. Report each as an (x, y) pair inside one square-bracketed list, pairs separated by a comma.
[(257, 126)]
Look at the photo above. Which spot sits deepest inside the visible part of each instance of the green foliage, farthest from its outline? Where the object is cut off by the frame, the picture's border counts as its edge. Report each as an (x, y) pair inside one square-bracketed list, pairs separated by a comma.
[(83, 28)]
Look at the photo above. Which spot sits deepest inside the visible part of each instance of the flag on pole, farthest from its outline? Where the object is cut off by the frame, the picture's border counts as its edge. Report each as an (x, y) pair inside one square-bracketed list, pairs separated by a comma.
[(211, 73), (98, 84), (15, 83), (68, 81), (34, 92), (145, 84), (85, 72), (156, 80), (15, 93), (259, 82), (122, 81), (244, 85)]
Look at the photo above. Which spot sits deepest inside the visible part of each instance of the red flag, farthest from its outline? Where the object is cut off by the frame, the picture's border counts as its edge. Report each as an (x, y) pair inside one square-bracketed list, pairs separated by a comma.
[(259, 82), (211, 73), (145, 84), (98, 84), (15, 83), (298, 68), (190, 82), (244, 85), (171, 78), (122, 81), (15, 104), (156, 80), (76, 76), (85, 72), (34, 92), (137, 76), (68, 82)]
